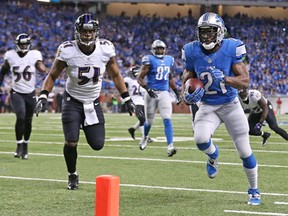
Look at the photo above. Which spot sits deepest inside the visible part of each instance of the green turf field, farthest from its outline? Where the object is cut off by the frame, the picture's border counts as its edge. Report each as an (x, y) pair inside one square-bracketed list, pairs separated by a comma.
[(151, 184)]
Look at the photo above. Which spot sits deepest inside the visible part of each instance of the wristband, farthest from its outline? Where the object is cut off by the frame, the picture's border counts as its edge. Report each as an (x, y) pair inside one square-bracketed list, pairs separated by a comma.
[(176, 92), (125, 96), (44, 94)]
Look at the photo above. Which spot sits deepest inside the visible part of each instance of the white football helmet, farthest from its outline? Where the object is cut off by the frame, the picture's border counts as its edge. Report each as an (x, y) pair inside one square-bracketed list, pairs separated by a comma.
[(156, 44), (210, 30)]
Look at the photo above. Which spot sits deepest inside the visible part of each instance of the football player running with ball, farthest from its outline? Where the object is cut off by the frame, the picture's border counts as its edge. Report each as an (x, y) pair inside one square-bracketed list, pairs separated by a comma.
[(217, 62), (85, 60), (157, 68), (23, 63)]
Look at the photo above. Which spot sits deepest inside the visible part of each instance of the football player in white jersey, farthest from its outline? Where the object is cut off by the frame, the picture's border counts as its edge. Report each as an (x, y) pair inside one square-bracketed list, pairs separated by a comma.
[(23, 64), (261, 110), (157, 79), (136, 93), (85, 60), (217, 63)]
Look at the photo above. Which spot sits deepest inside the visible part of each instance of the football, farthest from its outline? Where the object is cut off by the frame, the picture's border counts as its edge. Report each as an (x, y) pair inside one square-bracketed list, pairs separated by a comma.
[(192, 84)]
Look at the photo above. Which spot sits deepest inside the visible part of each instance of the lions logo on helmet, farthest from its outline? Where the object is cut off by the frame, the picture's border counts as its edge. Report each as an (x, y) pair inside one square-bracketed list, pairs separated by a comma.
[(23, 42), (134, 71), (85, 23), (159, 53), (210, 30)]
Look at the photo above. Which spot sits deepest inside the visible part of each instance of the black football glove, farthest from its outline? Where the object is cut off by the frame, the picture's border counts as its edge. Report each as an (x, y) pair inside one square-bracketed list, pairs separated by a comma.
[(42, 103), (151, 93), (130, 106)]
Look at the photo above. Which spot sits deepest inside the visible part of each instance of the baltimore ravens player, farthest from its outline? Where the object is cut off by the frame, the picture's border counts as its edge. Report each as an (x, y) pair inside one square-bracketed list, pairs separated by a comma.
[(217, 62), (23, 64), (157, 69), (261, 110), (85, 60), (136, 93)]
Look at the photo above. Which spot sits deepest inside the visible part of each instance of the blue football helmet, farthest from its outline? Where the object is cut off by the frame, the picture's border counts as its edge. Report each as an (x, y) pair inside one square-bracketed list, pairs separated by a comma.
[(23, 43), (210, 30), (85, 22)]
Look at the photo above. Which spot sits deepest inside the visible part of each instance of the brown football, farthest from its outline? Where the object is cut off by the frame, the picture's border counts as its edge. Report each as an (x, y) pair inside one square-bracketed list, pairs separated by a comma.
[(192, 84)]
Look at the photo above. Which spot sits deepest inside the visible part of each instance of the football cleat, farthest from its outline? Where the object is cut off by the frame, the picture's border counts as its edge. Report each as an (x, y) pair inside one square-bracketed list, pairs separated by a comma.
[(24, 154), (254, 197), (72, 182), (265, 136), (132, 132), (171, 150), (212, 165), (143, 142), (18, 151), (150, 140)]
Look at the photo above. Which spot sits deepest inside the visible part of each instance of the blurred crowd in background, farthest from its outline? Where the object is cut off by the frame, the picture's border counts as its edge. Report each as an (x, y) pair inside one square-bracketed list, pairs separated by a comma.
[(49, 25)]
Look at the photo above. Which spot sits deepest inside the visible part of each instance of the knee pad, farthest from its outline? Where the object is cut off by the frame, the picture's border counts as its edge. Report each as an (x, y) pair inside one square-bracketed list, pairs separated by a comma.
[(150, 121), (249, 162)]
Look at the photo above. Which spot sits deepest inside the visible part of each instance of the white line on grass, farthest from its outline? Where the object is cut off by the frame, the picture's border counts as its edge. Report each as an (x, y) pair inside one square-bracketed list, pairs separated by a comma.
[(146, 159), (133, 146), (281, 203), (142, 186), (255, 213)]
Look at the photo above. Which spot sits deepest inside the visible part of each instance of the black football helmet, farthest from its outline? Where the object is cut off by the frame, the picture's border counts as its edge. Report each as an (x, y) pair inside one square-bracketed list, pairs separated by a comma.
[(23, 43), (134, 71), (86, 22)]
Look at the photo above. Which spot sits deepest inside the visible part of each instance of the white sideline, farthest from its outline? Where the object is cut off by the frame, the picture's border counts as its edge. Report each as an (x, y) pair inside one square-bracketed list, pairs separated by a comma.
[(255, 213)]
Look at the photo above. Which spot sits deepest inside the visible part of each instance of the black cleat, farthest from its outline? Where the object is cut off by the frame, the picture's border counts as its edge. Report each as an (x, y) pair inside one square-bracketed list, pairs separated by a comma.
[(72, 182), (265, 136), (18, 151), (24, 154), (150, 140), (171, 151), (132, 132)]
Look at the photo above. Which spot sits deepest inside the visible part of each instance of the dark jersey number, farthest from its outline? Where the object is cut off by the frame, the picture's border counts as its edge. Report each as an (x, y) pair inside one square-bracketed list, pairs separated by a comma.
[(25, 74), (84, 79)]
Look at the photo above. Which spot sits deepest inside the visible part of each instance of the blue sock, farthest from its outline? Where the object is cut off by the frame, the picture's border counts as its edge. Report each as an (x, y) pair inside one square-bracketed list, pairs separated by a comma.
[(168, 130), (146, 128)]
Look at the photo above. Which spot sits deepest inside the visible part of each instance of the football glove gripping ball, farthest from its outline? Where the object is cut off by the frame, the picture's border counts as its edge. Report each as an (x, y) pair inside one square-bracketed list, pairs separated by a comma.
[(193, 97), (218, 75), (42, 103)]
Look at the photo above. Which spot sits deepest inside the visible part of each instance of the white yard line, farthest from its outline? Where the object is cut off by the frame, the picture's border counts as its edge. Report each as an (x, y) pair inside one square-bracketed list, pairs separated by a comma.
[(255, 213)]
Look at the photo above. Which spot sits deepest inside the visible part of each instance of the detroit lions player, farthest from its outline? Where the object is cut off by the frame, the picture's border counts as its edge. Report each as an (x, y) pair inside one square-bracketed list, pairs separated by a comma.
[(261, 110), (23, 63), (217, 62), (136, 93), (157, 69), (85, 60)]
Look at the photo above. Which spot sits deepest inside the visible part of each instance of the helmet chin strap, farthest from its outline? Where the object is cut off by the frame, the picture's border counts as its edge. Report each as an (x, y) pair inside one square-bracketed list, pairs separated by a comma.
[(209, 46)]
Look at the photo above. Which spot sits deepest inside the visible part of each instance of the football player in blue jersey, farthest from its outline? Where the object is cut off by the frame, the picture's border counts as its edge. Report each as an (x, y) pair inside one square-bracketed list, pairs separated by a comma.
[(157, 69), (217, 62)]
